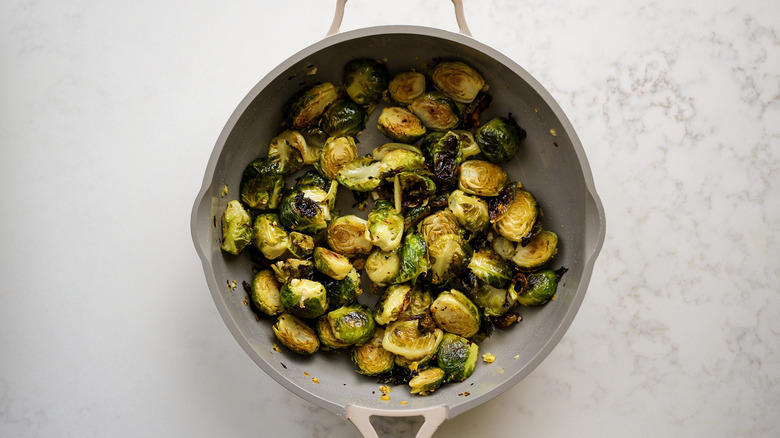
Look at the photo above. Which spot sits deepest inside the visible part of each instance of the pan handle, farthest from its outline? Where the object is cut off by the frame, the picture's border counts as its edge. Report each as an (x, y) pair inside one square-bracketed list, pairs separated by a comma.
[(460, 17), (361, 418)]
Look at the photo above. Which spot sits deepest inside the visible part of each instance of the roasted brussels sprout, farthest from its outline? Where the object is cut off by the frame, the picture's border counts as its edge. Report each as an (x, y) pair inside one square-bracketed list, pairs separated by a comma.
[(365, 80), (481, 178), (348, 236), (436, 111), (296, 335), (539, 289), (494, 301), (304, 298), (406, 86), (337, 152), (380, 152), (447, 258), (301, 245), (438, 224), (412, 189), (401, 160), (444, 156), (313, 179), (305, 210), (330, 263), (305, 106), (519, 217), (499, 139), (409, 340), (468, 145), (400, 124), (344, 118), (236, 228), (455, 313), (352, 324), (490, 268), (371, 359), (315, 138), (470, 211), (540, 250), (457, 80), (261, 185), (385, 225), (457, 356), (265, 293), (361, 174), (328, 340), (269, 236), (419, 304), (286, 151), (382, 267), (427, 381), (414, 259), (288, 269), (394, 301), (345, 291), (504, 247)]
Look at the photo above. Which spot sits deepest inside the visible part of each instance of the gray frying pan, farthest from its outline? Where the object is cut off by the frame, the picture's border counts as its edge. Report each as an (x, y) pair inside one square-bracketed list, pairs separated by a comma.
[(552, 165)]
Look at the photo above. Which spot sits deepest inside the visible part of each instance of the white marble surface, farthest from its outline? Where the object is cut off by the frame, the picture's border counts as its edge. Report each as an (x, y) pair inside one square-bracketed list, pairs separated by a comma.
[(109, 112)]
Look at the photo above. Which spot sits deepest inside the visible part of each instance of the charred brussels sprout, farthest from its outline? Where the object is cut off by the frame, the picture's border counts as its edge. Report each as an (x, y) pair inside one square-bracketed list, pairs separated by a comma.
[(382, 267), (337, 152), (261, 185), (371, 359), (455, 313), (305, 210), (427, 381), (305, 106), (499, 139), (400, 124), (345, 291), (406, 86), (301, 245), (481, 178), (236, 228), (361, 174), (436, 111), (540, 250), (414, 259), (457, 356), (296, 335), (519, 217), (365, 80), (348, 235), (444, 156), (289, 269), (328, 339), (344, 118), (438, 224), (304, 298), (447, 258), (494, 301), (419, 305), (332, 264), (394, 301), (385, 225), (269, 236), (352, 324), (285, 151), (470, 211), (539, 289), (490, 268), (401, 160), (409, 340), (412, 189), (457, 80), (265, 293)]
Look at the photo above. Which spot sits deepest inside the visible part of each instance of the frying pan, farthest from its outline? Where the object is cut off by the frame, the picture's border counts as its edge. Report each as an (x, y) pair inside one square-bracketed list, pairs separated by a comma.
[(551, 164)]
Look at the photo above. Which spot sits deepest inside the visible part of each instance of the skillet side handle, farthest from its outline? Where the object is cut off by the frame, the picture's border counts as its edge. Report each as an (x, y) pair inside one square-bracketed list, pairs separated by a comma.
[(361, 418), (338, 16)]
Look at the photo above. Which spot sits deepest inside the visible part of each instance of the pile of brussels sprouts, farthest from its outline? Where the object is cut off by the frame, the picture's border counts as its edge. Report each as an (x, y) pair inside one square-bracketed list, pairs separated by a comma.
[(450, 243)]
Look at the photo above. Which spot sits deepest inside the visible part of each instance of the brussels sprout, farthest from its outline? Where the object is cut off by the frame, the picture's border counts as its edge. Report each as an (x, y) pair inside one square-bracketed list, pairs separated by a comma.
[(519, 217), (394, 300), (361, 174), (499, 139), (332, 264), (436, 111), (288, 269), (337, 152), (261, 185), (348, 236), (407, 339), (455, 313), (296, 335), (504, 247), (353, 324), (365, 80), (438, 224), (301, 245), (414, 259), (315, 139), (457, 356), (305, 210), (401, 160), (328, 339), (470, 211), (236, 228), (444, 156), (304, 298), (494, 301), (468, 145), (447, 257), (265, 293), (427, 381), (344, 118), (540, 288), (305, 106), (400, 124), (383, 267), (285, 151), (312, 179), (481, 178), (406, 86), (458, 80), (419, 304), (385, 225), (269, 236), (380, 152), (540, 250), (490, 268), (345, 291), (413, 189), (371, 359)]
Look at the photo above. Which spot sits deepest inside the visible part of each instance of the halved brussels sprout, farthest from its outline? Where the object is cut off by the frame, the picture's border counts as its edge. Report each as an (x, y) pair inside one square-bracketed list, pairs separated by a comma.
[(401, 160), (419, 304), (337, 152), (441, 223), (481, 178), (540, 288), (457, 356), (265, 293), (490, 268), (261, 185), (400, 124), (447, 257), (383, 267), (494, 301), (470, 211), (315, 140), (436, 111), (344, 291), (394, 300), (313, 179), (236, 228), (304, 298), (288, 269), (305, 106), (331, 263), (385, 225), (499, 139), (380, 152), (348, 236), (352, 324), (504, 247), (540, 250), (371, 359), (444, 156), (458, 80), (406, 86), (361, 174), (413, 189), (468, 145), (427, 381), (455, 313), (296, 335), (305, 210), (519, 218), (414, 259), (301, 245), (407, 339), (344, 118), (365, 80), (269, 236), (328, 340), (285, 151)]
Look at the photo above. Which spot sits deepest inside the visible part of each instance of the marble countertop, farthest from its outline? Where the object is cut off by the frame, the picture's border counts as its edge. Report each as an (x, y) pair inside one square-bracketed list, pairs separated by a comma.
[(110, 111)]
